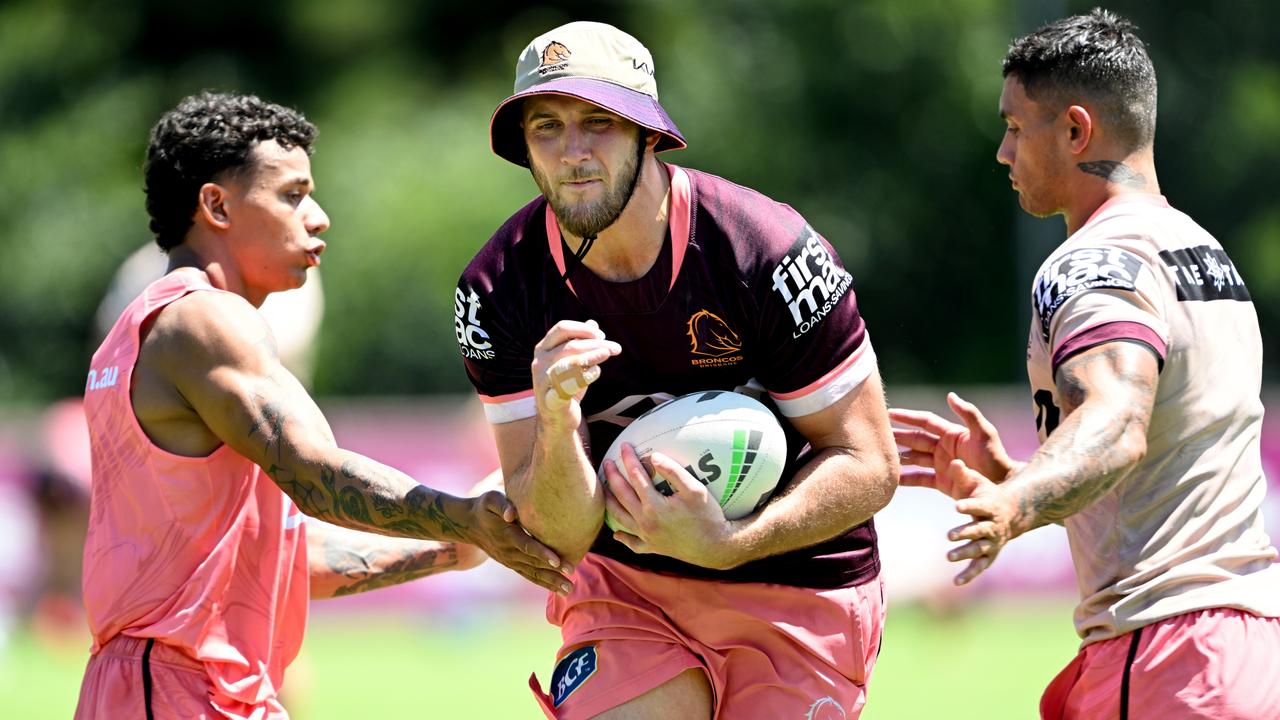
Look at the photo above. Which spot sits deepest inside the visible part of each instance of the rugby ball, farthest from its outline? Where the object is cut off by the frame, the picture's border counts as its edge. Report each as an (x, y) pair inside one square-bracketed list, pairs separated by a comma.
[(730, 442)]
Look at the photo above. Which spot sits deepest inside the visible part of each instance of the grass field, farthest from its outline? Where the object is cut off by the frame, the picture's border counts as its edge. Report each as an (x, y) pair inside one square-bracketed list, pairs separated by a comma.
[(986, 663)]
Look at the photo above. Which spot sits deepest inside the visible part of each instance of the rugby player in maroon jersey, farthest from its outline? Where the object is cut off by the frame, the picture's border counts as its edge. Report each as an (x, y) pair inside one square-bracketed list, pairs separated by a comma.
[(629, 281)]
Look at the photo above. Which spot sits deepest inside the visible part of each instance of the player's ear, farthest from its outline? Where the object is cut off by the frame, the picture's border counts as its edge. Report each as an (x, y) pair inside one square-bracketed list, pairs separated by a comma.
[(212, 205), (651, 139), (1079, 128)]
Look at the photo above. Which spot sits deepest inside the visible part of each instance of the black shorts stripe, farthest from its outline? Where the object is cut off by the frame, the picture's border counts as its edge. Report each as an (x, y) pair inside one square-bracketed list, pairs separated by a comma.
[(146, 677), (1124, 680)]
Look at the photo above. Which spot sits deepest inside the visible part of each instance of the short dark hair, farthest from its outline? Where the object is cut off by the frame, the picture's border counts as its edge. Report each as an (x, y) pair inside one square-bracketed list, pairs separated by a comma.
[(206, 136), (1096, 56)]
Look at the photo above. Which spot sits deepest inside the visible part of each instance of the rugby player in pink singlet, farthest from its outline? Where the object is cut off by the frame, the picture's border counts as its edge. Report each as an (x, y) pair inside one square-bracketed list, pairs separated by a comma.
[(1145, 361), (630, 281), (206, 452)]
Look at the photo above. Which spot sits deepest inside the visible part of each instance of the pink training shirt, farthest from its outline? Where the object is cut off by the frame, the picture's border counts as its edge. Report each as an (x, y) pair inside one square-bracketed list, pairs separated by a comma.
[(1182, 530), (204, 554)]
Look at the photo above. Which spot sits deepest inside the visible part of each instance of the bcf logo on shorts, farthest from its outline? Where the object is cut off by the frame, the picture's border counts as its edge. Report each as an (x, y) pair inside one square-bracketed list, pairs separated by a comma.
[(571, 672)]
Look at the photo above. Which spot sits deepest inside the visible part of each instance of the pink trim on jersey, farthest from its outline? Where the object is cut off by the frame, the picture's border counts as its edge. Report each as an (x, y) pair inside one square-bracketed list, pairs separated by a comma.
[(521, 405), (510, 397), (1145, 198), (205, 554), (844, 364), (553, 243), (681, 217), (509, 408), (829, 388), (1105, 333)]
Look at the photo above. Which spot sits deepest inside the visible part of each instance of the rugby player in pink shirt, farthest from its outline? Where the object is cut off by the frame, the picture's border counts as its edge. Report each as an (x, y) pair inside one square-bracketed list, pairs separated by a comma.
[(1145, 362), (207, 453)]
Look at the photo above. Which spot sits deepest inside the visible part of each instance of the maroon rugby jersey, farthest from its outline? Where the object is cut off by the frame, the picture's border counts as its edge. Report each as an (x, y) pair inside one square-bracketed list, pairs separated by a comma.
[(744, 296)]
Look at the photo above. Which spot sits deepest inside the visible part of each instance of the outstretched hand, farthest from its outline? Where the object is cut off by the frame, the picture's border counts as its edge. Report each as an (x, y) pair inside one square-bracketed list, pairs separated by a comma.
[(495, 530), (995, 518), (932, 443)]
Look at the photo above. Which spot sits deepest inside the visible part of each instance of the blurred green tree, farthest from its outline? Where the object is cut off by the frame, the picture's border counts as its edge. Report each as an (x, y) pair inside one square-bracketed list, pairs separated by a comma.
[(875, 119)]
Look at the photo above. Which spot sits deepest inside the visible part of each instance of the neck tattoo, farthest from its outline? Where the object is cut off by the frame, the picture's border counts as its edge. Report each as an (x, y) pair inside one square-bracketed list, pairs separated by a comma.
[(1115, 172)]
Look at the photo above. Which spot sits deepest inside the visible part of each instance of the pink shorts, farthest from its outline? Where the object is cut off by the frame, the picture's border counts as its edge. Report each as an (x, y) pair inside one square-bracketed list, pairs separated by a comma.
[(1219, 663), (115, 686), (769, 651)]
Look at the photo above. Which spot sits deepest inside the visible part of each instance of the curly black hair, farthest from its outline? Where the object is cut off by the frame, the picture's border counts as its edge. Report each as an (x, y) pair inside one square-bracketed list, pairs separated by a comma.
[(1097, 57), (206, 136)]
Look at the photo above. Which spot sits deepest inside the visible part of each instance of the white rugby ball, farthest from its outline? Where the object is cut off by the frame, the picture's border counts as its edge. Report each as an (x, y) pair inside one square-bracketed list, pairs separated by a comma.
[(730, 442)]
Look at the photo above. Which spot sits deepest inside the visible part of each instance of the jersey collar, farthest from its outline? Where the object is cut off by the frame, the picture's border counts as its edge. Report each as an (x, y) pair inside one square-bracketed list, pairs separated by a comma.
[(1122, 199), (680, 217)]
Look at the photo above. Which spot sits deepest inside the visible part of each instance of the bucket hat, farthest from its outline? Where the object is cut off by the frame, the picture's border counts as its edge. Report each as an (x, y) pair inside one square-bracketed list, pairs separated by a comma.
[(593, 62)]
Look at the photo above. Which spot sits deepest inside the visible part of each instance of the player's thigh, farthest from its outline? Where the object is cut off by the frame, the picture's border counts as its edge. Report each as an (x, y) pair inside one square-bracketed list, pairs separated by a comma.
[(687, 695)]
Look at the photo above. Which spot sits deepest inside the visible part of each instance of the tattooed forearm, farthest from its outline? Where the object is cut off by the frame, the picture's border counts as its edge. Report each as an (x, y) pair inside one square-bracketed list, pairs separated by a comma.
[(353, 505), (1108, 395), (1065, 478), (1115, 172), (291, 441), (434, 513), (309, 499), (352, 491), (404, 570), (351, 562), (385, 507)]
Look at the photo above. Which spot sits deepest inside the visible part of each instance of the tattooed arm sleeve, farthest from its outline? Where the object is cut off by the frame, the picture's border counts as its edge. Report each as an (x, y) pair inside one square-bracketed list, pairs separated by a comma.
[(1107, 393), (218, 357), (344, 562), (221, 359)]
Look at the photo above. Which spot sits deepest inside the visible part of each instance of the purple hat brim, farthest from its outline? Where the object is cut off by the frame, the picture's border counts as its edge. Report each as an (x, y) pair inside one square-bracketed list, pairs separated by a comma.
[(507, 139)]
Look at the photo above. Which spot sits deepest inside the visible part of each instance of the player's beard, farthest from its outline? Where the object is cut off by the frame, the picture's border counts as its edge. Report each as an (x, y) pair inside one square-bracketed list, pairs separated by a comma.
[(590, 219)]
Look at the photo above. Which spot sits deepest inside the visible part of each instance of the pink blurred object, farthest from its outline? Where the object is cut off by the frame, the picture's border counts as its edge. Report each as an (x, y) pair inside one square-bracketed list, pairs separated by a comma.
[(66, 442)]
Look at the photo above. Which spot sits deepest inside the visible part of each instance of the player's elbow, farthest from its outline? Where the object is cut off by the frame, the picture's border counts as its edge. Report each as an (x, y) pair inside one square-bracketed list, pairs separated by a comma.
[(570, 537), (1119, 428), (876, 471), (566, 522), (886, 480), (570, 549), (1132, 448)]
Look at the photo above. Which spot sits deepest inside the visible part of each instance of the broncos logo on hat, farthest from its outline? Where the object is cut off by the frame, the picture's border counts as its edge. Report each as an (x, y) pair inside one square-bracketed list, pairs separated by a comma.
[(554, 54), (712, 336)]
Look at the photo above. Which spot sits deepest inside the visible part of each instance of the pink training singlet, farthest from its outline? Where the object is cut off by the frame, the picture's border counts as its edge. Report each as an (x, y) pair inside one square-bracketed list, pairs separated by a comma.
[(204, 554)]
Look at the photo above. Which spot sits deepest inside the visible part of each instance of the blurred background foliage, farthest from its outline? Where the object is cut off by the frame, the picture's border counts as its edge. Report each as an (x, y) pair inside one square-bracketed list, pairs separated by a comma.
[(876, 119)]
